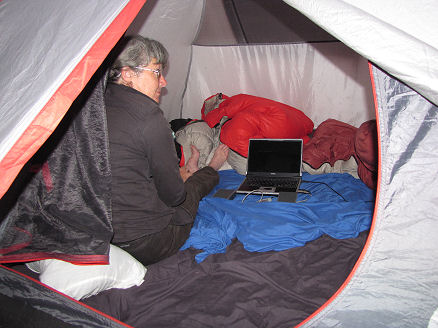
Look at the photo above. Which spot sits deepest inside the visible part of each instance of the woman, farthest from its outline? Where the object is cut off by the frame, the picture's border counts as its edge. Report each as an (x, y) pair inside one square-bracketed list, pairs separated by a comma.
[(154, 202)]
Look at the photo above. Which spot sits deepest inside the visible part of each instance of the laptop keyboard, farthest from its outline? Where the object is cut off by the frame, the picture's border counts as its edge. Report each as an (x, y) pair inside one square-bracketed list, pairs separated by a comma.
[(275, 182)]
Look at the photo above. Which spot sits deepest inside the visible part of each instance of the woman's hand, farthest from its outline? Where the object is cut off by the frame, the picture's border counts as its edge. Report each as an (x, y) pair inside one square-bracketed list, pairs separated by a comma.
[(185, 173)]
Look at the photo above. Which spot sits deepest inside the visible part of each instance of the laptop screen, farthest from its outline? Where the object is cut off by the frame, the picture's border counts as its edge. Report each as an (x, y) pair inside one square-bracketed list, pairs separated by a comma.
[(275, 156)]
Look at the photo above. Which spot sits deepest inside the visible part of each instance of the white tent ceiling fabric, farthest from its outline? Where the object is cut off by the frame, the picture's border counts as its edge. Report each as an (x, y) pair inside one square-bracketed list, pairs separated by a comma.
[(387, 33), (325, 80), (305, 76), (37, 57)]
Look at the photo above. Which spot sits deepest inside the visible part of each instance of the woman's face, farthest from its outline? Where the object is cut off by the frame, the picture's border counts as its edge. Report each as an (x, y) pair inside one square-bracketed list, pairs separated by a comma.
[(149, 80)]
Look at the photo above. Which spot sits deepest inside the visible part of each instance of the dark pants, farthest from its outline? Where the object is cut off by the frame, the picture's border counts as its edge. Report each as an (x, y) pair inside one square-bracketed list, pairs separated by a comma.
[(155, 247)]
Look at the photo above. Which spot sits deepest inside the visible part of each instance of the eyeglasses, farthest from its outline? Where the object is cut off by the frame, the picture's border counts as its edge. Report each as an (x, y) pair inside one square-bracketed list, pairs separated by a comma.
[(157, 72)]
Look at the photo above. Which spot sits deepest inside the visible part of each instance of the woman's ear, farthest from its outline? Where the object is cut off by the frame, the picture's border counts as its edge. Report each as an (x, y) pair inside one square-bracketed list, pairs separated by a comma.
[(126, 76), (126, 73)]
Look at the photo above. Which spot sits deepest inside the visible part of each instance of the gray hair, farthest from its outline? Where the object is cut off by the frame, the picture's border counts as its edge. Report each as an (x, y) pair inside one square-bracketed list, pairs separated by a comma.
[(138, 51)]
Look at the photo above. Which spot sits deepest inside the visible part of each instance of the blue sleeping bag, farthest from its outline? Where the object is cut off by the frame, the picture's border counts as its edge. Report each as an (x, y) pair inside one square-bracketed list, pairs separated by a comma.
[(339, 205)]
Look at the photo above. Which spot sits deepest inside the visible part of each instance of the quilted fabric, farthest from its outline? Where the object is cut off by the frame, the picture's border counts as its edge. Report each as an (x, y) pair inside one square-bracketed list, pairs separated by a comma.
[(334, 140), (366, 152), (204, 138), (199, 134)]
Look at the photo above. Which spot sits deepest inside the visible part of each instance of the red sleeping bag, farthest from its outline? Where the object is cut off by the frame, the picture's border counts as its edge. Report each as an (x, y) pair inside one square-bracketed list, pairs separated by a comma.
[(335, 140), (256, 117)]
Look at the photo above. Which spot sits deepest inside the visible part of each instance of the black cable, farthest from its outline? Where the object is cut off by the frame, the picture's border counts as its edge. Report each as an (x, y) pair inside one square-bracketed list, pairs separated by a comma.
[(305, 181)]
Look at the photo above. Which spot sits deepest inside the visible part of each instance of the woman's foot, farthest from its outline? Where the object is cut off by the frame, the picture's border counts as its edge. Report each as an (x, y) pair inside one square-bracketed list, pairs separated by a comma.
[(219, 157), (192, 163)]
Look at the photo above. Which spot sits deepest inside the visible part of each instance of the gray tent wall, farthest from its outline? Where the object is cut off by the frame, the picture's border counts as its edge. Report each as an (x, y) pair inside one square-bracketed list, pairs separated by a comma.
[(396, 282)]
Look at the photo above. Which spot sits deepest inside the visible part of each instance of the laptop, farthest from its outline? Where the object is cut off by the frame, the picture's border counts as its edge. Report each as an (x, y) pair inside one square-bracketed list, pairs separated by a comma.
[(273, 166)]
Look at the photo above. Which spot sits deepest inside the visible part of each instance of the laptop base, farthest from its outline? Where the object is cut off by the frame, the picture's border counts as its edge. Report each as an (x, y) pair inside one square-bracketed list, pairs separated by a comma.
[(287, 197), (225, 193)]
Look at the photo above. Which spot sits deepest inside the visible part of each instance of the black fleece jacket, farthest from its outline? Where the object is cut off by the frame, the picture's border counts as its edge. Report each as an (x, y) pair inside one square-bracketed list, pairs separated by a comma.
[(146, 183)]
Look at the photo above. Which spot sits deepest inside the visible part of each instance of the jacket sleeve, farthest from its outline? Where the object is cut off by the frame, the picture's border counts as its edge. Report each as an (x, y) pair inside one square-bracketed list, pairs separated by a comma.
[(163, 161)]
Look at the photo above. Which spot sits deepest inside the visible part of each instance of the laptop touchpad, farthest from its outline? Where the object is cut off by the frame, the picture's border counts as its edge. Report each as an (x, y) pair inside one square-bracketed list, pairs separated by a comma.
[(267, 189)]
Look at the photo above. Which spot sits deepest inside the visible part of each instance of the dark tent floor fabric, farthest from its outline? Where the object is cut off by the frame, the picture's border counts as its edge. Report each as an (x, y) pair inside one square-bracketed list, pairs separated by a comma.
[(237, 288)]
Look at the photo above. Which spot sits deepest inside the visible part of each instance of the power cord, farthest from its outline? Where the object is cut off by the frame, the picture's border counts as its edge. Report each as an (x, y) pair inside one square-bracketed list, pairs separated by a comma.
[(249, 193), (261, 200), (305, 181)]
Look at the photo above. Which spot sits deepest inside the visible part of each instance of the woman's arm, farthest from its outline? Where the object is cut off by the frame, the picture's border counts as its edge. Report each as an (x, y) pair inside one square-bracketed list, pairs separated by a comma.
[(163, 161)]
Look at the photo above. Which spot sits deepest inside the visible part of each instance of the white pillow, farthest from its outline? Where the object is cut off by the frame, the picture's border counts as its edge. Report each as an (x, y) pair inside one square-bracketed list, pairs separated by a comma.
[(81, 281)]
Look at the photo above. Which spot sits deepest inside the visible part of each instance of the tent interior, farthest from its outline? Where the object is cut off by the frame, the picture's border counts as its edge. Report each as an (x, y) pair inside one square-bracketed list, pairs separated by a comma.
[(269, 42), (349, 264)]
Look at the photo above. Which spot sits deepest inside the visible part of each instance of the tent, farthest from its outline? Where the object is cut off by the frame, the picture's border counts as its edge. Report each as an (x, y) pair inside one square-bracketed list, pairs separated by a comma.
[(384, 67)]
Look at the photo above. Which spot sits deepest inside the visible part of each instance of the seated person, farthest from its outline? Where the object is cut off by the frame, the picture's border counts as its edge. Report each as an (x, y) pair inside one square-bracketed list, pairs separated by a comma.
[(154, 201)]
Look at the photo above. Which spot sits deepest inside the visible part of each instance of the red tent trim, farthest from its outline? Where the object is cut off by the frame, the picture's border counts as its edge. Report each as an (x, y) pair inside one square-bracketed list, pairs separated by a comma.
[(52, 113)]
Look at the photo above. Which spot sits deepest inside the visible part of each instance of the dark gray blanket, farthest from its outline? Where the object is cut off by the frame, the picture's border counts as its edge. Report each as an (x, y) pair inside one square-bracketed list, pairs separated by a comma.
[(235, 289)]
